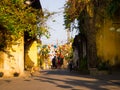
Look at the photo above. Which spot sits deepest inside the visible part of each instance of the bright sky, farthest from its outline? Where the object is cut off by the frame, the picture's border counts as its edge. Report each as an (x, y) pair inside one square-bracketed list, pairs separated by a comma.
[(57, 30)]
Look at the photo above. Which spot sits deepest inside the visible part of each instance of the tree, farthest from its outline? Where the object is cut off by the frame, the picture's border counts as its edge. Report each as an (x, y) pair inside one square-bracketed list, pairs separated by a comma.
[(85, 25), (18, 18), (44, 55), (90, 15)]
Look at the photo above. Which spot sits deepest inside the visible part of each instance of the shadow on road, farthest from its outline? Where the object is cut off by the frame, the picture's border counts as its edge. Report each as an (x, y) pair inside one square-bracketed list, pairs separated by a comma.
[(75, 81)]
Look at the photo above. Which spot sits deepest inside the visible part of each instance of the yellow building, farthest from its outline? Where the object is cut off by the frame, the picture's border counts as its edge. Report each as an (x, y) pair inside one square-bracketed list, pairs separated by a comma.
[(12, 59), (107, 41), (31, 56), (15, 57)]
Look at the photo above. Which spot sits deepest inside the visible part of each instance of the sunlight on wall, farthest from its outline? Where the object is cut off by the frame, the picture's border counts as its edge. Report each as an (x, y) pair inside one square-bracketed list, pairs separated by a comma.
[(13, 58), (31, 56), (1, 60)]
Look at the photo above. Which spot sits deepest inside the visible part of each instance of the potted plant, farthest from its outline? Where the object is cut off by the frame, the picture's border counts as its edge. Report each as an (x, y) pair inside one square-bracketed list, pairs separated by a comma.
[(15, 74), (1, 74)]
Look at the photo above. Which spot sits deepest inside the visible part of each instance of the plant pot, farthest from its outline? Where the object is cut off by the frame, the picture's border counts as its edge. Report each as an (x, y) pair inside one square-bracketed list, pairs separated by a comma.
[(16, 74), (1, 74)]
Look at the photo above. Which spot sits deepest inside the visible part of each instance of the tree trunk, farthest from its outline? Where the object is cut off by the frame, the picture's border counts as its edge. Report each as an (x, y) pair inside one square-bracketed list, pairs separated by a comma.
[(91, 38), (91, 48), (90, 33)]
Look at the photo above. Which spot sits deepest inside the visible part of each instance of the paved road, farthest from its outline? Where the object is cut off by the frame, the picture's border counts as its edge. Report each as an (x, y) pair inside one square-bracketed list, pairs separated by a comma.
[(59, 80)]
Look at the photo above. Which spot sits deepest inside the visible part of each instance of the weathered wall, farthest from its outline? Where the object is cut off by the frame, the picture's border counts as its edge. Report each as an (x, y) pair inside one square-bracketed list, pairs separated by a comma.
[(13, 58), (31, 56), (108, 43), (1, 60)]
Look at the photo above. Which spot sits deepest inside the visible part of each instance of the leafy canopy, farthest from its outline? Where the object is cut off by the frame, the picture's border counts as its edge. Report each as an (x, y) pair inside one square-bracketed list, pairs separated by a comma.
[(17, 17), (73, 8)]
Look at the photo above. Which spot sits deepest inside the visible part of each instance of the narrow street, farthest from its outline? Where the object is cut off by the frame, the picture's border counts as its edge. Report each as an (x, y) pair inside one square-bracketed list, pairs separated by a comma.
[(41, 39), (60, 80)]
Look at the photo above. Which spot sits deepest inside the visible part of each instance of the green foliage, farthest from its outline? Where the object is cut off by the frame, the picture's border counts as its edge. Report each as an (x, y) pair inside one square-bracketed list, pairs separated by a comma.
[(17, 18), (83, 66), (103, 65), (41, 62), (1, 74), (43, 54), (91, 15), (68, 53), (104, 8), (113, 6), (72, 10), (44, 51), (83, 63), (15, 1)]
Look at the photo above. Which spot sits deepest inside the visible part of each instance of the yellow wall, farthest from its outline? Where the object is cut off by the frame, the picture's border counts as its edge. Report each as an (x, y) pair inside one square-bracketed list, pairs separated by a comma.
[(31, 56), (1, 60), (13, 58), (108, 43)]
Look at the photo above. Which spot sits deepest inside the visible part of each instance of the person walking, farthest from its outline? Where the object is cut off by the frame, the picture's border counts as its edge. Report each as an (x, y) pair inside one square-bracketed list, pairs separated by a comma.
[(70, 66), (54, 66)]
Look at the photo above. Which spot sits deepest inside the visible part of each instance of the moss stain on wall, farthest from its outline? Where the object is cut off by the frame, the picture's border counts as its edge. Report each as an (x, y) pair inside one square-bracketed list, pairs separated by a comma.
[(108, 44)]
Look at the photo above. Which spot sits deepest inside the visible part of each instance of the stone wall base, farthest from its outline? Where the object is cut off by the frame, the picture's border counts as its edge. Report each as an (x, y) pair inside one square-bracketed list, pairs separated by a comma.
[(95, 71)]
